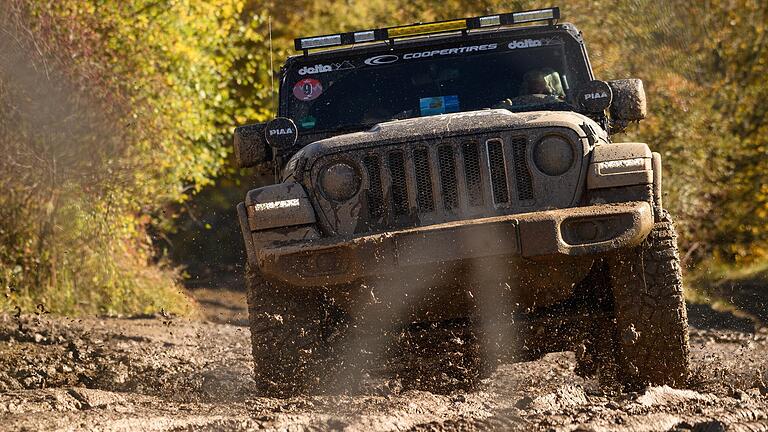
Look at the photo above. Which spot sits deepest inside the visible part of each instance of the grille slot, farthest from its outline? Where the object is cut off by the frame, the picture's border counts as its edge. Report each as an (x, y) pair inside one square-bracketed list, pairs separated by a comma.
[(399, 186), (522, 175), (447, 168), (374, 193), (496, 166), (472, 173), (423, 173), (438, 181)]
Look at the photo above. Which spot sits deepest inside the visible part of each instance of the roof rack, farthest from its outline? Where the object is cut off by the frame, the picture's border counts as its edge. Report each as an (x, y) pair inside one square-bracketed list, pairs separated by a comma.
[(390, 33)]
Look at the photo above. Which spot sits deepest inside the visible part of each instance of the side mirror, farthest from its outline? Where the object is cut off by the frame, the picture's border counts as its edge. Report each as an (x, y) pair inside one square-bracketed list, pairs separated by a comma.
[(251, 147), (628, 100)]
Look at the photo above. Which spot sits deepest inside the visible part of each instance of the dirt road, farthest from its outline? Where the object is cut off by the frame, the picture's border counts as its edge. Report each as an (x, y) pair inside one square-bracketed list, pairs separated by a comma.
[(179, 375)]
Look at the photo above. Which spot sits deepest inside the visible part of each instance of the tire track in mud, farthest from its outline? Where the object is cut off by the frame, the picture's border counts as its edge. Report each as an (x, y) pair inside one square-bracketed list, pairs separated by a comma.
[(499, 422)]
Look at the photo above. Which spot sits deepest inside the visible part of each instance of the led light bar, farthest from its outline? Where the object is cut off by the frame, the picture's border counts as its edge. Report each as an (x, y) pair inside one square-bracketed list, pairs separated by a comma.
[(490, 21), (320, 41), (536, 15), (364, 36), (305, 44), (420, 29)]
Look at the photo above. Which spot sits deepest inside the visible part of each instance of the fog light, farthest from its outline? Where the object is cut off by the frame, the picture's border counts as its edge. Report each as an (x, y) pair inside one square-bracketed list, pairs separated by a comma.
[(327, 262), (586, 230), (595, 229)]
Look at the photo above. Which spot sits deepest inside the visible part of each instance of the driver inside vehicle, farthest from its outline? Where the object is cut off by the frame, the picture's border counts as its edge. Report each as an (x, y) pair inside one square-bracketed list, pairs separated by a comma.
[(542, 82), (539, 86)]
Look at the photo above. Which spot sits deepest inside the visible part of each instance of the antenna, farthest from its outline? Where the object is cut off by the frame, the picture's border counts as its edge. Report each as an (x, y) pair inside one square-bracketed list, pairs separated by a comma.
[(271, 67)]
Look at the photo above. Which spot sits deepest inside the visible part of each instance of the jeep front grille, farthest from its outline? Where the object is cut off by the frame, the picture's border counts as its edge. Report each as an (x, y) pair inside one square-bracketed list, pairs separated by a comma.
[(522, 175), (399, 186), (374, 197), (447, 170), (498, 171), (472, 173), (429, 184), (421, 167)]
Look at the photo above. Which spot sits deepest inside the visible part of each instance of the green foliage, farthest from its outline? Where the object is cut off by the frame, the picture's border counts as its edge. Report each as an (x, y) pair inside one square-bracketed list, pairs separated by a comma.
[(738, 63), (109, 111)]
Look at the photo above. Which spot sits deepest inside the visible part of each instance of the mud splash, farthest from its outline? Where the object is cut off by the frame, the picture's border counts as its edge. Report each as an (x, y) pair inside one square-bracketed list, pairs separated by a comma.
[(176, 375)]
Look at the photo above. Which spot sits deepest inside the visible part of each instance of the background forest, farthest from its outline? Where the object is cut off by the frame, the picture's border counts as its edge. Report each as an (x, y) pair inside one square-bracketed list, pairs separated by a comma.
[(115, 123)]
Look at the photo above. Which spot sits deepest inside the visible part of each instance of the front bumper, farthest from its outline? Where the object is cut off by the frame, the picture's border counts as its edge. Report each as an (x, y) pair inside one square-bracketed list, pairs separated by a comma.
[(570, 232)]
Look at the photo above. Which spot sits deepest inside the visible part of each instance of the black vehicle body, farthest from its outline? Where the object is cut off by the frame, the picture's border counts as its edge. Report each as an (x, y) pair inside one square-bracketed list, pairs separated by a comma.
[(382, 209), (438, 214)]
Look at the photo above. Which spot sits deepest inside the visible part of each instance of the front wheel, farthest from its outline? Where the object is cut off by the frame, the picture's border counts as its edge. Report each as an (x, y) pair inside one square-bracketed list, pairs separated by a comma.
[(645, 342), (295, 336)]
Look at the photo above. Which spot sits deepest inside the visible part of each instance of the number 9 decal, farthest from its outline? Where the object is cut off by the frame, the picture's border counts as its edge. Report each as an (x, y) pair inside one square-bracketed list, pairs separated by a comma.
[(307, 89)]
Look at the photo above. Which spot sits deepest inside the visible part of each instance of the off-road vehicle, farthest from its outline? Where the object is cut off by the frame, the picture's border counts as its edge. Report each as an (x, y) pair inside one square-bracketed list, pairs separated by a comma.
[(458, 170)]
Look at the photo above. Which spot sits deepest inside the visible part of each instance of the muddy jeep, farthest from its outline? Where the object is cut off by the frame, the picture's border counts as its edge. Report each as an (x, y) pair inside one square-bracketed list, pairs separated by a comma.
[(457, 172)]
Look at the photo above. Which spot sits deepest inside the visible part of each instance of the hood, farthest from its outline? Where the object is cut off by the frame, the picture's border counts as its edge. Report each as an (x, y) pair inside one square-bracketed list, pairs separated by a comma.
[(449, 125), (437, 169)]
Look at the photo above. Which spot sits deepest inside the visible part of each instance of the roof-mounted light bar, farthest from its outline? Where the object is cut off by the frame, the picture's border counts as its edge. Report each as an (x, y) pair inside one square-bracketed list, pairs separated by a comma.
[(305, 44), (535, 15), (321, 41)]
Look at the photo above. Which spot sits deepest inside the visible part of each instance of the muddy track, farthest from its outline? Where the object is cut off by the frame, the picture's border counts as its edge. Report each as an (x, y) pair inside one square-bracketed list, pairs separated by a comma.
[(181, 375)]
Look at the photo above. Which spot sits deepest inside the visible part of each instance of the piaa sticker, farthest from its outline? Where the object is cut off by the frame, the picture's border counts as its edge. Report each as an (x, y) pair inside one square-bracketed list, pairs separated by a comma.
[(307, 89)]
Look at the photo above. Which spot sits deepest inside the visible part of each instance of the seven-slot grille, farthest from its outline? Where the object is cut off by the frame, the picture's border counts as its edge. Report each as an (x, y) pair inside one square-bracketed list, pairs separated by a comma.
[(444, 180)]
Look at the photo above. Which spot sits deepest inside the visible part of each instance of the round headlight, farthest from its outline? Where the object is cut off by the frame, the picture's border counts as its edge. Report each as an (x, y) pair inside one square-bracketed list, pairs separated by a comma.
[(553, 155), (339, 181)]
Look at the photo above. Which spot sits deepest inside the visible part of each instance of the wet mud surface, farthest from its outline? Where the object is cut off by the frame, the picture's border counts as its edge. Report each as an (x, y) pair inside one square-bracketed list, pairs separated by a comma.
[(168, 374)]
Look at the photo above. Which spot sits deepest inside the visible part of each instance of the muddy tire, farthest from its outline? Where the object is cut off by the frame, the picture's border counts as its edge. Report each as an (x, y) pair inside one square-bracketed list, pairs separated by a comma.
[(440, 357), (293, 334), (650, 331)]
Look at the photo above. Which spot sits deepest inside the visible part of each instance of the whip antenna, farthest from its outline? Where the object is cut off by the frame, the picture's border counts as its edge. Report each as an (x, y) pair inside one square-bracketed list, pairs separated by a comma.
[(271, 67)]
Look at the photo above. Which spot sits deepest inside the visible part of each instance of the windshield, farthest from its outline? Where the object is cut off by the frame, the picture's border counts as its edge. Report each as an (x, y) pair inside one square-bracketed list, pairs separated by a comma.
[(520, 75)]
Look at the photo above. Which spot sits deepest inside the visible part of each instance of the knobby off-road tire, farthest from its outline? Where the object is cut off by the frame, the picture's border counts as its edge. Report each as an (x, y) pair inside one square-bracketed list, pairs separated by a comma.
[(294, 334), (650, 336), (440, 357)]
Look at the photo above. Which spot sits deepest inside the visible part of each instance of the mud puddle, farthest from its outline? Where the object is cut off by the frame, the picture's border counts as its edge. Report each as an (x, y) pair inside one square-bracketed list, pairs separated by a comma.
[(182, 375)]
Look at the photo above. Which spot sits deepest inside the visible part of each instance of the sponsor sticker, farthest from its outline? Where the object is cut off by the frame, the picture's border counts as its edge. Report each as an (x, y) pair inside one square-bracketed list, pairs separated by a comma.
[(281, 131), (595, 95), (622, 166), (527, 43), (274, 205), (391, 58), (322, 68), (439, 105), (450, 51), (534, 43), (307, 122), (307, 89), (381, 59)]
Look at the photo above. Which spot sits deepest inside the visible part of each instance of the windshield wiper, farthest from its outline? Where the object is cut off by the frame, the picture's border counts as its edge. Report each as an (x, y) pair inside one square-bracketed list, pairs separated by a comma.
[(360, 127), (554, 106)]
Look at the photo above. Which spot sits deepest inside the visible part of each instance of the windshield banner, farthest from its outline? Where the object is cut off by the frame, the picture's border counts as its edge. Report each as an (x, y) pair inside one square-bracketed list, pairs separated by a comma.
[(385, 59), (391, 58)]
